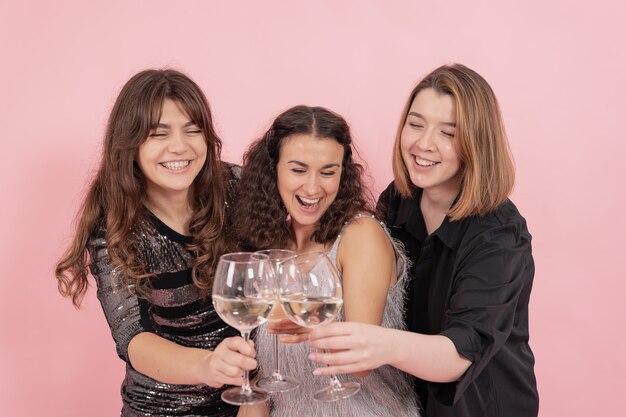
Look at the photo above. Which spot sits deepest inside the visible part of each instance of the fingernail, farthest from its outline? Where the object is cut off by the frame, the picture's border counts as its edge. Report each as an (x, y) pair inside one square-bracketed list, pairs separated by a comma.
[(317, 372)]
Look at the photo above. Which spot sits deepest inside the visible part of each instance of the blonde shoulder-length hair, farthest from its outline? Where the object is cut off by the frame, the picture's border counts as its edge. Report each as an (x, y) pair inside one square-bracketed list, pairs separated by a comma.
[(487, 169)]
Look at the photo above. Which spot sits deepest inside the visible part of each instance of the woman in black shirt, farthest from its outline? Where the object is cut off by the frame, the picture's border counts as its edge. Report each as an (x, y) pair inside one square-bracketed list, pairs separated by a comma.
[(472, 273)]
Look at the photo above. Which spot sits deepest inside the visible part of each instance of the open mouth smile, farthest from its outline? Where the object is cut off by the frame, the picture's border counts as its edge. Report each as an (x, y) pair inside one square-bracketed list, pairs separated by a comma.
[(308, 203), (425, 163), (175, 165)]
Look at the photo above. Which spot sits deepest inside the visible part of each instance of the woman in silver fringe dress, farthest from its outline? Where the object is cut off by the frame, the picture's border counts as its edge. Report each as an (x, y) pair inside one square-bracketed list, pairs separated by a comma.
[(150, 232), (301, 190)]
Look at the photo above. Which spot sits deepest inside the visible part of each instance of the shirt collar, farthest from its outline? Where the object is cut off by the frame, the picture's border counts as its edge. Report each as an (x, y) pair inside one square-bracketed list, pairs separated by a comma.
[(410, 215)]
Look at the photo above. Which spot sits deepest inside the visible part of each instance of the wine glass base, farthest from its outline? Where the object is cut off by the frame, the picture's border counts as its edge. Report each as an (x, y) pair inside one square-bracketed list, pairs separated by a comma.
[(234, 396), (330, 394), (274, 384)]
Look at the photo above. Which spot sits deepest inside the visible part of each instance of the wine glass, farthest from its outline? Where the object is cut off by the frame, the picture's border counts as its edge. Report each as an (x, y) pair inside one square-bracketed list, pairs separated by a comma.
[(277, 382), (310, 294), (243, 296)]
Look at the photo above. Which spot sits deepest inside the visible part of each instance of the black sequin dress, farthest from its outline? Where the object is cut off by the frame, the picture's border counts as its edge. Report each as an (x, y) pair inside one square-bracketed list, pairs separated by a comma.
[(176, 311)]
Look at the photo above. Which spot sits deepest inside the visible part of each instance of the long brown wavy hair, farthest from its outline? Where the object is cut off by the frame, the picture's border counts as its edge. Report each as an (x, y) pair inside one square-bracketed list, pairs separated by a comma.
[(116, 195), (487, 170), (260, 215)]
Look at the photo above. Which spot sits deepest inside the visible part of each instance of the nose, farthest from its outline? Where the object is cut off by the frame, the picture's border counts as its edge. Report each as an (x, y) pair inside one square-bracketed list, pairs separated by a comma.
[(426, 140), (177, 143), (311, 185)]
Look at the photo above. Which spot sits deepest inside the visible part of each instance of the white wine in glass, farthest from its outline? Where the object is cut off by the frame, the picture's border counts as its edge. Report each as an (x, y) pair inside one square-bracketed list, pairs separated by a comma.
[(244, 291), (311, 311), (277, 382), (311, 296)]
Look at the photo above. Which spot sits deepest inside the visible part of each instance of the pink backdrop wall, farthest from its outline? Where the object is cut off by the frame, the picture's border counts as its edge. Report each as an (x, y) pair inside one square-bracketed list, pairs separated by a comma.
[(557, 67)]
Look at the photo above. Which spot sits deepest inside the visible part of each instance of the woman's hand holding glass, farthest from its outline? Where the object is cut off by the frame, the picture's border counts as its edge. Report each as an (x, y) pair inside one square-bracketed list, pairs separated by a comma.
[(311, 295), (244, 291), (356, 347), (225, 364)]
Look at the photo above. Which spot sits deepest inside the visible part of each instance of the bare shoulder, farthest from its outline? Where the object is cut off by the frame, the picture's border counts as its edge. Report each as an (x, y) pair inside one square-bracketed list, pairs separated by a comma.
[(366, 254), (365, 233), (363, 226)]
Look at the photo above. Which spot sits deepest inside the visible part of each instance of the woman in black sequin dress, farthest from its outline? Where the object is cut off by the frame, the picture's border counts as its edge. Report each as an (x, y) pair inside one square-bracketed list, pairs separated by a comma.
[(150, 231)]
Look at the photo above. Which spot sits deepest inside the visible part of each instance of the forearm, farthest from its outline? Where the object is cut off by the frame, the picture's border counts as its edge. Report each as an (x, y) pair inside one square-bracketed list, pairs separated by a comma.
[(357, 347), (429, 357), (166, 361)]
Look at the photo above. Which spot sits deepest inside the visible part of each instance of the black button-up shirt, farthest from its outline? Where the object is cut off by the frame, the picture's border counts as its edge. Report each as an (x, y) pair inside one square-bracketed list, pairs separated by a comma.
[(471, 281)]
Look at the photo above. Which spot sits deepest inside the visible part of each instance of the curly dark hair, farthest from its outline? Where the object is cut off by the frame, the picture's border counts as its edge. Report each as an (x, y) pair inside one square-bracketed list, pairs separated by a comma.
[(259, 215)]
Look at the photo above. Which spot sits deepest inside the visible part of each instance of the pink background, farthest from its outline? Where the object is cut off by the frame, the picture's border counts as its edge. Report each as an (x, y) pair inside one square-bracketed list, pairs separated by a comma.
[(558, 68)]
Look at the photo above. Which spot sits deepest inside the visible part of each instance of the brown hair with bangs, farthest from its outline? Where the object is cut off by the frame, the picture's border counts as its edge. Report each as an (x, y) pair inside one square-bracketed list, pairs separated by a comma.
[(116, 195), (487, 170)]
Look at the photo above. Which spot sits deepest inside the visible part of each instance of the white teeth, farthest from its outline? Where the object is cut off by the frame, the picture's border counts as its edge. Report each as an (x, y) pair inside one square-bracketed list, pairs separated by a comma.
[(308, 200), (423, 163), (175, 164)]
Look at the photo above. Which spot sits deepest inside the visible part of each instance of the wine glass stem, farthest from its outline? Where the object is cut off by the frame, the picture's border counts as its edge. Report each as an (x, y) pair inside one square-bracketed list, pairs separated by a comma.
[(334, 381), (276, 373), (245, 388)]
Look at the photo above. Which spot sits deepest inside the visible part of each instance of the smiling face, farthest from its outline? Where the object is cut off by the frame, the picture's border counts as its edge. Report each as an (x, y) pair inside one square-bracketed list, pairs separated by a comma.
[(172, 155), (309, 173), (429, 148)]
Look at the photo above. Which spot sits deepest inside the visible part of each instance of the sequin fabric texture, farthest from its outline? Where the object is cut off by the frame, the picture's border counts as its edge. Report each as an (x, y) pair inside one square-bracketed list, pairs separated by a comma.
[(176, 311)]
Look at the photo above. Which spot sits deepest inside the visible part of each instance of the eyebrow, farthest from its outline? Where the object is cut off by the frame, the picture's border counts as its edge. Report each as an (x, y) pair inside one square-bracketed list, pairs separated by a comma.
[(416, 114), (166, 126), (302, 164)]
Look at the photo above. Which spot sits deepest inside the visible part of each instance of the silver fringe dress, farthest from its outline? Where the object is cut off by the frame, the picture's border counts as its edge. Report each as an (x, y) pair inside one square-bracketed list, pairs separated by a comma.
[(386, 391)]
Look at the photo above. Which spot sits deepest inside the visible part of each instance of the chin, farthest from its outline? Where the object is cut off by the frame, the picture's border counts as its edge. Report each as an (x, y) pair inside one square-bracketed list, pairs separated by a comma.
[(304, 222)]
